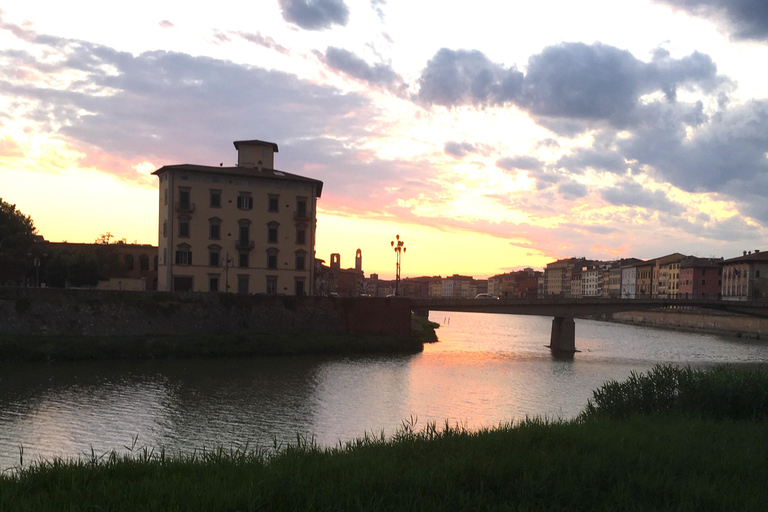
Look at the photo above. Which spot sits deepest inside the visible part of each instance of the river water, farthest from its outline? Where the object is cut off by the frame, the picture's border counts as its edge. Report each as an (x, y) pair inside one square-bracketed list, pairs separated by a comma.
[(487, 369)]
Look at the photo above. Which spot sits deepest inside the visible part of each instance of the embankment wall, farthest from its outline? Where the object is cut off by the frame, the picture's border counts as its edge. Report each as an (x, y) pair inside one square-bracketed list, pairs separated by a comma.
[(736, 325), (39, 311)]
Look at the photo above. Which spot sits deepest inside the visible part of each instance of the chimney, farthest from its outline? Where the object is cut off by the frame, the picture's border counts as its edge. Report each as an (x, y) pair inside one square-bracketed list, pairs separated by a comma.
[(757, 251), (745, 253)]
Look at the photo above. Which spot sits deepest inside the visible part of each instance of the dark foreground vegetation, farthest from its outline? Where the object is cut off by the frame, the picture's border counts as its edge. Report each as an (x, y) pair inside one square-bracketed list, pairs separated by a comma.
[(638, 446), (75, 347)]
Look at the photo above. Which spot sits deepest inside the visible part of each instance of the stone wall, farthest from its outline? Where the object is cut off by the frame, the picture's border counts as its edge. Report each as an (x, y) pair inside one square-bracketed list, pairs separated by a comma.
[(47, 311), (737, 325)]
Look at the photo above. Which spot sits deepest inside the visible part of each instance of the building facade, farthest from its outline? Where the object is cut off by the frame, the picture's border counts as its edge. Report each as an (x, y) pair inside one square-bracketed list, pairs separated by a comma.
[(746, 277), (246, 229)]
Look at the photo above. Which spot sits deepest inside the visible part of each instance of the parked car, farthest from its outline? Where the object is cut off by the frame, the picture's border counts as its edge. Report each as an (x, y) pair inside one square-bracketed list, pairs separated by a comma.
[(486, 296)]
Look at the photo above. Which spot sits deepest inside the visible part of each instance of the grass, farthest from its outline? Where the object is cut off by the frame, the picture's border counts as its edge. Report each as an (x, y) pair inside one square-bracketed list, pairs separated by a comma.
[(669, 458)]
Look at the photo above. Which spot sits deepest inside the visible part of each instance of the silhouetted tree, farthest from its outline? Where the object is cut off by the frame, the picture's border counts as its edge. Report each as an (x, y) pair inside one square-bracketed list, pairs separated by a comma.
[(17, 239)]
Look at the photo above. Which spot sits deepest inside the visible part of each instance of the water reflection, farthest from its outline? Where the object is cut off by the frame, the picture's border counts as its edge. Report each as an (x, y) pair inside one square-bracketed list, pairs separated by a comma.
[(487, 369)]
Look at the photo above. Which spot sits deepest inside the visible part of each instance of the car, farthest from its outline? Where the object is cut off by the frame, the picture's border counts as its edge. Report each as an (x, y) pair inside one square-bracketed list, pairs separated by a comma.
[(485, 296)]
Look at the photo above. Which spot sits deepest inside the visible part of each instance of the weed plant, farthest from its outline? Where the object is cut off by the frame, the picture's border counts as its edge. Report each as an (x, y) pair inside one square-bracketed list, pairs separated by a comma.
[(719, 392)]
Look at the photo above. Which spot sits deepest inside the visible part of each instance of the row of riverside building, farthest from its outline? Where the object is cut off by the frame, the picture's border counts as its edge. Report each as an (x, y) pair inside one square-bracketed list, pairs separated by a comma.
[(672, 276), (250, 228), (675, 276)]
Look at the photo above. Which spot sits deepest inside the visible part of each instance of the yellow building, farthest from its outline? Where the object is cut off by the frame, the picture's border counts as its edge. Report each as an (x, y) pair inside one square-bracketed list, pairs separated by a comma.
[(245, 229)]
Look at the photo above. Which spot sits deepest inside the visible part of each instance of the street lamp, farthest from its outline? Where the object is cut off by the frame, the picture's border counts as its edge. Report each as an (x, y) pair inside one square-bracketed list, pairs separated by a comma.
[(399, 247)]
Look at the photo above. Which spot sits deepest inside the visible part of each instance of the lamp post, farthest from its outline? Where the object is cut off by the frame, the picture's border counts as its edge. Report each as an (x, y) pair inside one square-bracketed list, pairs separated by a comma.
[(399, 247)]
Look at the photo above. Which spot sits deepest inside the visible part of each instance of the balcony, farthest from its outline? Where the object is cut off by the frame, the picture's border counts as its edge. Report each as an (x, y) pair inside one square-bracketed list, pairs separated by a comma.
[(245, 245), (182, 207), (301, 215)]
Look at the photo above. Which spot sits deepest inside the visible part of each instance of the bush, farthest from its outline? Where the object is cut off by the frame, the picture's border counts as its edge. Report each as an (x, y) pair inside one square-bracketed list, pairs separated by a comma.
[(719, 392)]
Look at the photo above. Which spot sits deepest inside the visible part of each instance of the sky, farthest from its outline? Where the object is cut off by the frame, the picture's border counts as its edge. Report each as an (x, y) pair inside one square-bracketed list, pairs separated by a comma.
[(491, 136)]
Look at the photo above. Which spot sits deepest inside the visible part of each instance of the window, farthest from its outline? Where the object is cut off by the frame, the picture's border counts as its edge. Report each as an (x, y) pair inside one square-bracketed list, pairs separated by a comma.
[(301, 257), (245, 201), (271, 285), (214, 228), (183, 228), (129, 264), (245, 233), (271, 258), (144, 262), (273, 203), (299, 288), (757, 274), (165, 196), (301, 207), (272, 232), (184, 201), (182, 283), (165, 229), (301, 235), (213, 256), (703, 282), (243, 260), (215, 199), (242, 284), (183, 255), (213, 283), (703, 271)]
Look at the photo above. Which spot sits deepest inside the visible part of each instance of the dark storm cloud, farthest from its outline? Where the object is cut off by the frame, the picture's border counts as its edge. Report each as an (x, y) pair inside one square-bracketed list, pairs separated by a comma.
[(315, 14), (461, 77), (744, 19), (631, 193), (520, 162), (458, 149), (379, 75)]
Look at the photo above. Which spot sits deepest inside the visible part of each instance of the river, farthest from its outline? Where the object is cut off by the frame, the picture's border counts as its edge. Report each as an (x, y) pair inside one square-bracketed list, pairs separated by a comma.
[(487, 369)]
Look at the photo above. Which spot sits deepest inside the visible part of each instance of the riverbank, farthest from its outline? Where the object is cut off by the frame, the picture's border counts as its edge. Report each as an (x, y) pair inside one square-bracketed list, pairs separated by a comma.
[(665, 457), (697, 321), (78, 347)]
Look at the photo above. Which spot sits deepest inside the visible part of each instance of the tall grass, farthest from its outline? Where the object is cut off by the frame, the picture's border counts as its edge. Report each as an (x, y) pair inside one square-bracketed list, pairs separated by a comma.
[(719, 392)]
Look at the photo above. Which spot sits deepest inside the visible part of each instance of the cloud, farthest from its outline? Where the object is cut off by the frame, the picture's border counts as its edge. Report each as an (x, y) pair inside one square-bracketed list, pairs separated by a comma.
[(315, 14), (566, 84), (743, 19), (459, 77), (630, 193), (166, 24), (379, 75), (520, 162), (572, 190), (265, 41), (458, 149), (583, 159)]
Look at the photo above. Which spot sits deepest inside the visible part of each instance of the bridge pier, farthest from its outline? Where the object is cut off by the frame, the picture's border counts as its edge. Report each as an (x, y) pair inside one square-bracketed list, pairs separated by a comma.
[(563, 337)]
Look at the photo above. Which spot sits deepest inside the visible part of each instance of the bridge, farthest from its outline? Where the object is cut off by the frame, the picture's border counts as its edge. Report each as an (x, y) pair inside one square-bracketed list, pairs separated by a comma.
[(563, 336)]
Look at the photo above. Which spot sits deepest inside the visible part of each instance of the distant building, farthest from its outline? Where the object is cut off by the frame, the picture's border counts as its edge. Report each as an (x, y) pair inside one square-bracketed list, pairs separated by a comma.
[(746, 277), (701, 278), (246, 229), (335, 280)]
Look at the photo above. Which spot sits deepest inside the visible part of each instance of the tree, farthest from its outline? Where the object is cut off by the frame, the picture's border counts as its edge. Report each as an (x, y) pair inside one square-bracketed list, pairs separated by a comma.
[(17, 239)]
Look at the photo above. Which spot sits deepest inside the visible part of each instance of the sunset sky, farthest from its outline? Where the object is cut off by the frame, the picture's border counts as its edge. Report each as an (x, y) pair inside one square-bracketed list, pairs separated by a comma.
[(489, 135)]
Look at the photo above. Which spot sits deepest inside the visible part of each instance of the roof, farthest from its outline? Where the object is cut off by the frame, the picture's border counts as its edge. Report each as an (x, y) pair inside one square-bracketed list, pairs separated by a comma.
[(248, 172), (758, 255), (255, 142)]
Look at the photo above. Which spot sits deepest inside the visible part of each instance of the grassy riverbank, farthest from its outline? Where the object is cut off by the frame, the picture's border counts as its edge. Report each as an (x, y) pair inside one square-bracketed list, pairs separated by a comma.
[(639, 446), (70, 347)]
